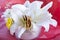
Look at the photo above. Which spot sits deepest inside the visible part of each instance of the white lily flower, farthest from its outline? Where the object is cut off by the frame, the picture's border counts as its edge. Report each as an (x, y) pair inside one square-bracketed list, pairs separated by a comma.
[(26, 20)]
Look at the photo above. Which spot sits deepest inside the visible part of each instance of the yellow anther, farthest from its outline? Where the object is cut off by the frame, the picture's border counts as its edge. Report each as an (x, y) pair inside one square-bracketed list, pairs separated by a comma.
[(9, 22)]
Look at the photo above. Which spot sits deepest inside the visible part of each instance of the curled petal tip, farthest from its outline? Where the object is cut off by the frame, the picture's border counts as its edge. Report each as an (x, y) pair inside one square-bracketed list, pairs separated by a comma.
[(49, 5), (54, 22), (27, 3)]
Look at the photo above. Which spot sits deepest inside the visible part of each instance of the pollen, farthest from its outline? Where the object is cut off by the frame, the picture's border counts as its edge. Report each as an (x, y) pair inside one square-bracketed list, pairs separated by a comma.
[(9, 22)]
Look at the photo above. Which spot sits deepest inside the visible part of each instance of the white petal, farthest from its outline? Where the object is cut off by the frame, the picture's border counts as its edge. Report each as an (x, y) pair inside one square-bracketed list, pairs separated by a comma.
[(15, 18), (53, 22), (34, 8), (37, 4), (27, 3), (46, 26), (45, 8), (13, 28), (33, 33), (19, 6), (6, 13), (20, 31), (43, 17), (35, 27), (17, 12), (42, 20)]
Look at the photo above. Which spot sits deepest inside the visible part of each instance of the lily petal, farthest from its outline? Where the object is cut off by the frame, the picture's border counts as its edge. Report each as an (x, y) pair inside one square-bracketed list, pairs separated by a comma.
[(36, 4), (53, 22), (33, 33), (20, 31), (15, 18), (34, 9), (46, 26), (13, 28), (27, 4), (35, 27), (17, 12), (6, 13), (49, 5), (43, 17), (19, 6)]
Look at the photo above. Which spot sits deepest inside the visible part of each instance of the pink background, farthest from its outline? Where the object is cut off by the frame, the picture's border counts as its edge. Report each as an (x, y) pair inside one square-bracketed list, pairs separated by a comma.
[(52, 34)]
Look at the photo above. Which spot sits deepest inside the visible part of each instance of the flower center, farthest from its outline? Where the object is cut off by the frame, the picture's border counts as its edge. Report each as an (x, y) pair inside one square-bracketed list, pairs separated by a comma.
[(27, 21)]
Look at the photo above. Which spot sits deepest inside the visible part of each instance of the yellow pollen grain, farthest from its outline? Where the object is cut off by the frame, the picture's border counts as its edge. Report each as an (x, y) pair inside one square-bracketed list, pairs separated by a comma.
[(9, 22)]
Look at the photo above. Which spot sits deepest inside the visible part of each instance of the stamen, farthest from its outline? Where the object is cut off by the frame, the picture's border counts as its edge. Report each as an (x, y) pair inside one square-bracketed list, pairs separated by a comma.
[(27, 22), (9, 22)]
